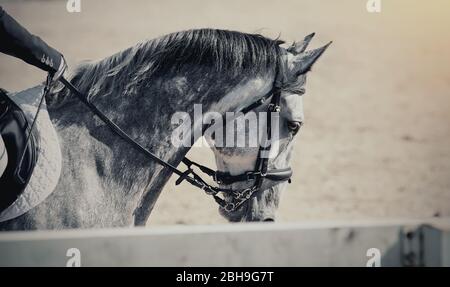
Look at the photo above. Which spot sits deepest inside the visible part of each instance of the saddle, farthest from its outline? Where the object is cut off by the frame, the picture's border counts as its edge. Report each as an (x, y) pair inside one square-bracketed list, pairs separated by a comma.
[(22, 154)]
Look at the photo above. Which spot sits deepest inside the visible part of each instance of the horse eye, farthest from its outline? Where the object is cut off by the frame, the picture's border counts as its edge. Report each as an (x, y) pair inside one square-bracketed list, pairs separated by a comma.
[(294, 127)]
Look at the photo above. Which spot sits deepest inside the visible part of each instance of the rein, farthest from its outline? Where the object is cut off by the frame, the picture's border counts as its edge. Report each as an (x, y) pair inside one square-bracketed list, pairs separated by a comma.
[(239, 197)]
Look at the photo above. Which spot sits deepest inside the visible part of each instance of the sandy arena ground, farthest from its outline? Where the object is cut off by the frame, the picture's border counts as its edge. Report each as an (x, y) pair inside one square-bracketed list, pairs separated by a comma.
[(376, 143)]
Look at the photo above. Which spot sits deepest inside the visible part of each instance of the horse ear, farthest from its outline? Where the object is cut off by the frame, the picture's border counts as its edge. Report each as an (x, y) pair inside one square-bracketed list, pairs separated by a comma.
[(302, 63), (300, 47)]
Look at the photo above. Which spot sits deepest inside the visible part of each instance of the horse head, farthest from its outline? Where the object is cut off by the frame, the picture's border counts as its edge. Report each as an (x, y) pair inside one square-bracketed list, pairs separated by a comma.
[(295, 62)]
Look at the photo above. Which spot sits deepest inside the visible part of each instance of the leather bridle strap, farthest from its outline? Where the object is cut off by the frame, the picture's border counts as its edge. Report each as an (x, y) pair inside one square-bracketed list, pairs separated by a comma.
[(189, 175), (225, 177), (261, 171), (263, 159), (194, 180), (116, 128)]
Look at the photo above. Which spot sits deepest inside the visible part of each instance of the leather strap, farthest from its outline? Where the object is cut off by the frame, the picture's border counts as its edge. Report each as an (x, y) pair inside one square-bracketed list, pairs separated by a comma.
[(194, 180), (189, 175)]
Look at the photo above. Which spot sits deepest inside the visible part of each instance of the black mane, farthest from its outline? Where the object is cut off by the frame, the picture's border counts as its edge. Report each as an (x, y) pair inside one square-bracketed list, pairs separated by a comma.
[(229, 52), (225, 51)]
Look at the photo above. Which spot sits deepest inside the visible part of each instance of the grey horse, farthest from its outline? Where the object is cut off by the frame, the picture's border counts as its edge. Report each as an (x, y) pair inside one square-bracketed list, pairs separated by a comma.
[(105, 182)]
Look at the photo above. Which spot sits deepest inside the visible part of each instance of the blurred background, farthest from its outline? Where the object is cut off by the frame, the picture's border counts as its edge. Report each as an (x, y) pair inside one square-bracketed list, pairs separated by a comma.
[(376, 143)]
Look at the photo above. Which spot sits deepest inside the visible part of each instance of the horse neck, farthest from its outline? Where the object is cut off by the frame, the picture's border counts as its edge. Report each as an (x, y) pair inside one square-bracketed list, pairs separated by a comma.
[(220, 96), (146, 117)]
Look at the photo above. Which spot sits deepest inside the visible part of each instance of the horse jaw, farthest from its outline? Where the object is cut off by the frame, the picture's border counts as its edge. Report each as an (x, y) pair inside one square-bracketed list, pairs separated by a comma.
[(262, 206)]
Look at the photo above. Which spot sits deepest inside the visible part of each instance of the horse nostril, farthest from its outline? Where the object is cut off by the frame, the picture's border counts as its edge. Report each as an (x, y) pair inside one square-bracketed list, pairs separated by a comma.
[(269, 220)]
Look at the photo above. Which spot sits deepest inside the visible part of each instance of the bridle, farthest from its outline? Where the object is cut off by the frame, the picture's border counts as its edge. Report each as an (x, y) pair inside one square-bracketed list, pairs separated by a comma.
[(261, 170), (238, 197)]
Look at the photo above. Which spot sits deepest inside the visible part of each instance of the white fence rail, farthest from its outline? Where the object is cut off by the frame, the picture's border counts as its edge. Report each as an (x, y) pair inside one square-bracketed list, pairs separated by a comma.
[(425, 243)]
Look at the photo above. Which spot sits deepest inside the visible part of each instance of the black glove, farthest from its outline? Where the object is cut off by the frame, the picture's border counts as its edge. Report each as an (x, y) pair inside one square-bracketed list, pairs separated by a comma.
[(3, 156), (61, 69), (16, 41)]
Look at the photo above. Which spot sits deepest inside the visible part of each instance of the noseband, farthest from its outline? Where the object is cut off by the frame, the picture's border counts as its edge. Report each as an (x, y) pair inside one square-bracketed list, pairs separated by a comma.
[(238, 197), (261, 170)]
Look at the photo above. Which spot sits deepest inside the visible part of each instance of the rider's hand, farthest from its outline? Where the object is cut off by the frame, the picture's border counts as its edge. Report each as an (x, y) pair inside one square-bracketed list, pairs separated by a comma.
[(61, 69), (3, 156)]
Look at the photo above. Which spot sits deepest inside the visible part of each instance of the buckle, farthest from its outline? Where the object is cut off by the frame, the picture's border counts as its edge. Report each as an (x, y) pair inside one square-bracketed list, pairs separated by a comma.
[(274, 108), (229, 207), (250, 175), (216, 179), (237, 194), (208, 190)]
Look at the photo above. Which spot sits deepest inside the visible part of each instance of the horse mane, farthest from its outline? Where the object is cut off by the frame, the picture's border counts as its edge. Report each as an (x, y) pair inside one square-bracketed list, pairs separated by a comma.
[(229, 52)]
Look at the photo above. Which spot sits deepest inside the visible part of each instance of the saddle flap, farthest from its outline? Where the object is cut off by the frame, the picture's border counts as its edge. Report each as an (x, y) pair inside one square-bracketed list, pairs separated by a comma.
[(22, 154)]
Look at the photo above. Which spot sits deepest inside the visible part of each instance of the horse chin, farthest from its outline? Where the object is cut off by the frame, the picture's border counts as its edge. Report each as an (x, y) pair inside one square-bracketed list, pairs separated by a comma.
[(251, 211), (232, 216)]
